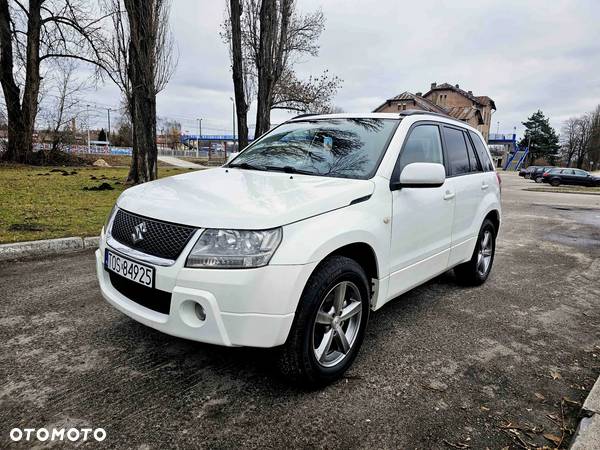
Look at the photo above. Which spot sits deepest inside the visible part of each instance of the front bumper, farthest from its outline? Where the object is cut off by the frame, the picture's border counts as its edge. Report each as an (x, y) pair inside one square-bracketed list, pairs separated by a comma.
[(245, 307)]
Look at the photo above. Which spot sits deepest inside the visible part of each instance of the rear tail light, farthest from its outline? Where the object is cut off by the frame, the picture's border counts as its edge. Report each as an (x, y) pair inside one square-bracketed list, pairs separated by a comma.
[(545, 174), (499, 181)]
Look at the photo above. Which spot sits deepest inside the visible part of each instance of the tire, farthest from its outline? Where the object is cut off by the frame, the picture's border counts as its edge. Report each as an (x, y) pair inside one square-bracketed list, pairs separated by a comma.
[(299, 359), (555, 182), (538, 179), (473, 273)]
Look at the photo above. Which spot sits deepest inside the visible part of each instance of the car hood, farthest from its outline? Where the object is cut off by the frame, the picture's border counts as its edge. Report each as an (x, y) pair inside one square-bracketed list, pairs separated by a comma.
[(242, 199)]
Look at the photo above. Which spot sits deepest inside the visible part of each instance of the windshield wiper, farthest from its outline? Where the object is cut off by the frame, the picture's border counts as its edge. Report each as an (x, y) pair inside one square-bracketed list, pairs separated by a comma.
[(289, 169), (246, 166)]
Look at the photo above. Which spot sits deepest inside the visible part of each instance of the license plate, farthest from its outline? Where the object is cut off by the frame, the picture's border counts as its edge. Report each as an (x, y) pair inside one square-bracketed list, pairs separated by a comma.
[(129, 269)]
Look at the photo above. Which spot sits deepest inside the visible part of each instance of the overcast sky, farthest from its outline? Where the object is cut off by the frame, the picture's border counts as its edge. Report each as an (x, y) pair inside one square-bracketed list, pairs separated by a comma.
[(523, 54)]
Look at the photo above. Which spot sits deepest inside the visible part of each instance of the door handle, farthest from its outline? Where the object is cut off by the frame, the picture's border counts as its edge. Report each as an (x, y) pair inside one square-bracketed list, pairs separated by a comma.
[(449, 195), (484, 186)]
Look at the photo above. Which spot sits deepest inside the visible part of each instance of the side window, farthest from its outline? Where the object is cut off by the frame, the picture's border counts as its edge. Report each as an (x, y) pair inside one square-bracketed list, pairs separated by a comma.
[(475, 164), (482, 152), (422, 145), (457, 151), (581, 173)]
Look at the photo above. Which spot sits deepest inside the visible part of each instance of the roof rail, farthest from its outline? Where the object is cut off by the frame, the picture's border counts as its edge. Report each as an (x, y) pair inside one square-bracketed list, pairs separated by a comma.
[(303, 115), (415, 112)]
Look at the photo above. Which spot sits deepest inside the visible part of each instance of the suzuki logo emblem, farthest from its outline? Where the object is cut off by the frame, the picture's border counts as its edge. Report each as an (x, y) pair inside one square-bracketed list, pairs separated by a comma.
[(138, 232)]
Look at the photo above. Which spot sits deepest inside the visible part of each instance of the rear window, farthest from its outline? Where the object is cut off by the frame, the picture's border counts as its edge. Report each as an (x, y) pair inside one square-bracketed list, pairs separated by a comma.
[(482, 152)]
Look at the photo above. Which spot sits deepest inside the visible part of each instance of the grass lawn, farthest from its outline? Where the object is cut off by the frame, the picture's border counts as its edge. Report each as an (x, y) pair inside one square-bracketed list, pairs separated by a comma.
[(46, 202)]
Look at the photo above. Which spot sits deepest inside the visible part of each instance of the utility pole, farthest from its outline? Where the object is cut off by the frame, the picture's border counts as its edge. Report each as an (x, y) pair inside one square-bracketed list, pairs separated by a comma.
[(498, 128), (199, 137), (108, 136), (87, 108)]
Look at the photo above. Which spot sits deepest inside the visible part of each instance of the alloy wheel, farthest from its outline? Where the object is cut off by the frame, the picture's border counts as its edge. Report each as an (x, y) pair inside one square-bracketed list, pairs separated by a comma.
[(484, 256), (337, 324)]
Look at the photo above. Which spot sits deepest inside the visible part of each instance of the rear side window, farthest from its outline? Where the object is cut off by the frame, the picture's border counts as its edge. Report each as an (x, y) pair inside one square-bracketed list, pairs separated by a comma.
[(422, 145), (482, 152), (458, 159), (475, 165)]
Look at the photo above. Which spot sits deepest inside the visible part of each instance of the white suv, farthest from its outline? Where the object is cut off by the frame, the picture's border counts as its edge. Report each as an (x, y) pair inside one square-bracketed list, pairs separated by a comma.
[(307, 230)]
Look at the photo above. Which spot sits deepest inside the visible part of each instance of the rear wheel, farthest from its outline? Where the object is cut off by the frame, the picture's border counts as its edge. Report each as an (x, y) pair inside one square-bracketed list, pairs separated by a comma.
[(329, 325), (477, 270), (555, 182)]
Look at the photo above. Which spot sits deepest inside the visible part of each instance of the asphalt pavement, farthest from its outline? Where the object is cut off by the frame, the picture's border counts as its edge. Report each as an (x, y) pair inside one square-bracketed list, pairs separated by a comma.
[(505, 364)]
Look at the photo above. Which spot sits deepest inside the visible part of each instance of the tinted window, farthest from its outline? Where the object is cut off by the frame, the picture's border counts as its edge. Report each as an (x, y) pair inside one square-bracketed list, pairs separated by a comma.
[(567, 172), (482, 152), (581, 173), (343, 148), (457, 151), (475, 165), (423, 145)]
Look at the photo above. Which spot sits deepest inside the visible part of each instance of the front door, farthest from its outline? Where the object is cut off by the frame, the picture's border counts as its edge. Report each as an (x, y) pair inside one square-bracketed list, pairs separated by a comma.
[(422, 216)]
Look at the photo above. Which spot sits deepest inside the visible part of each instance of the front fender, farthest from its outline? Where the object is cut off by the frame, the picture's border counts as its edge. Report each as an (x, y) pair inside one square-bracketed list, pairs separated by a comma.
[(313, 239)]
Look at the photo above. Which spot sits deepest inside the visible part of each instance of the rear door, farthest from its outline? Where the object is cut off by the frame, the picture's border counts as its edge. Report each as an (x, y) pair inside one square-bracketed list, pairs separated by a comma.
[(469, 184)]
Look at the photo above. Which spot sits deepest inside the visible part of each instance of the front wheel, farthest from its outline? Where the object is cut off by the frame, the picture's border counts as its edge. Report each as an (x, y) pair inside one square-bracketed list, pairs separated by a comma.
[(539, 179), (329, 325), (477, 270)]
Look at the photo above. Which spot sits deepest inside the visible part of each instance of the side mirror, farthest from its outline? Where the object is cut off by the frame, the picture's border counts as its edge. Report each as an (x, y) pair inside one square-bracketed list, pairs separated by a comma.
[(421, 175)]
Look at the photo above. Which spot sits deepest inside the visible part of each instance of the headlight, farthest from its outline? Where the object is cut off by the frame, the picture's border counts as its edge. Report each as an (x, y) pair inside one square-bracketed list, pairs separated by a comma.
[(234, 249), (109, 219)]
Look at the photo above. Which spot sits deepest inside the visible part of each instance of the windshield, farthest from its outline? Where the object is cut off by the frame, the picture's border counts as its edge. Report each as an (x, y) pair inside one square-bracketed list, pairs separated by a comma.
[(343, 148)]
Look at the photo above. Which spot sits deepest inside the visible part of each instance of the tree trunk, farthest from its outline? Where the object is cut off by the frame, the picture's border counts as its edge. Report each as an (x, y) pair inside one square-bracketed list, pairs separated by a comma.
[(268, 27), (21, 117), (238, 74), (142, 25)]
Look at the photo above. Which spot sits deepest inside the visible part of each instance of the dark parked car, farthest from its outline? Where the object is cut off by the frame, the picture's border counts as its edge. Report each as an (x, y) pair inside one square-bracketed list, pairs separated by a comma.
[(577, 177), (538, 173), (526, 172)]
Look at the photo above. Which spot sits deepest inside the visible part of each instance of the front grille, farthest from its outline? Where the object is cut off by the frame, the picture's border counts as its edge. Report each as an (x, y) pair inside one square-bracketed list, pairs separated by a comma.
[(151, 298), (162, 239)]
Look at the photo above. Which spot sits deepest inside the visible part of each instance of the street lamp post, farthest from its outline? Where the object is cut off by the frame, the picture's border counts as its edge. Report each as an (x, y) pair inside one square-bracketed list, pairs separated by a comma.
[(233, 121)]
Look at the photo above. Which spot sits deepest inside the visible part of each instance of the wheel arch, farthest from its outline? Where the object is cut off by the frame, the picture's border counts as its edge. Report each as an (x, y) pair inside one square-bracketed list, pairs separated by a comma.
[(494, 217)]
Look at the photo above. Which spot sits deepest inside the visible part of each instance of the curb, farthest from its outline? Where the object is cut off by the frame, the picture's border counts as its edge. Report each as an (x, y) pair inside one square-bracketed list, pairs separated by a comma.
[(587, 435), (46, 247)]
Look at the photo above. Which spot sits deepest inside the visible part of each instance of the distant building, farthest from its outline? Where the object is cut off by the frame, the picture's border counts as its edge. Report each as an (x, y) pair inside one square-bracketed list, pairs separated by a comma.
[(447, 99)]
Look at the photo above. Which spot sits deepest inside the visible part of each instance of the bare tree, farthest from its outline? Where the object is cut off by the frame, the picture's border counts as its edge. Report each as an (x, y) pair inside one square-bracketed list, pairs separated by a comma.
[(305, 96), (141, 56), (64, 105), (44, 30), (581, 140), (569, 139), (275, 37)]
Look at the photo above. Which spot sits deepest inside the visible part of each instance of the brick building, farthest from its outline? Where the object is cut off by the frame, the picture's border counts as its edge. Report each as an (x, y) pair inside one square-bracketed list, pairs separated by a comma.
[(447, 99)]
